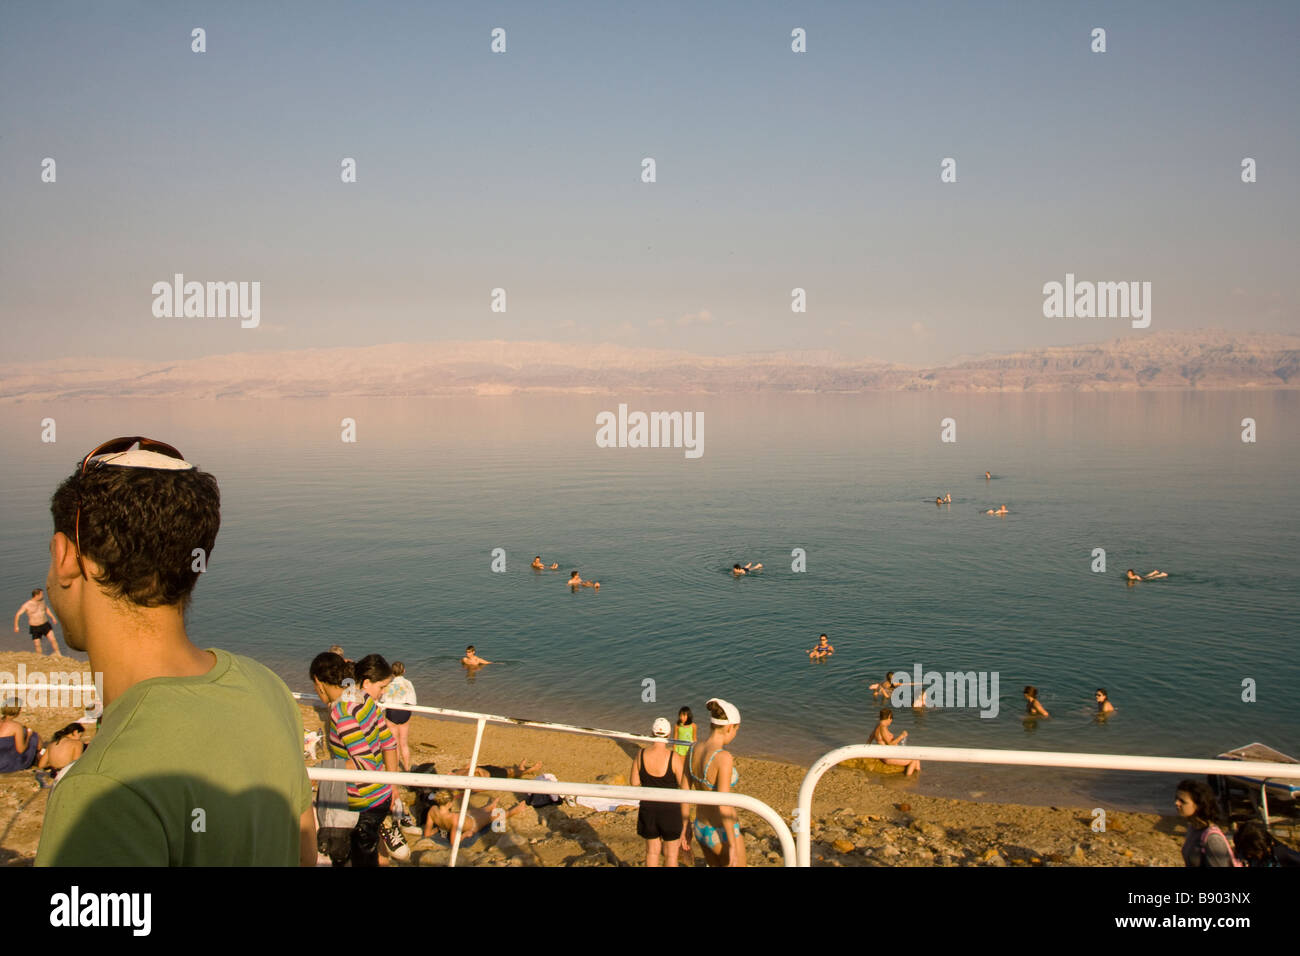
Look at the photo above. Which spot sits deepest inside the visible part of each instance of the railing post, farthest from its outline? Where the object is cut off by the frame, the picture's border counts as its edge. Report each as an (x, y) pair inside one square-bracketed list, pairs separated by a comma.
[(464, 800)]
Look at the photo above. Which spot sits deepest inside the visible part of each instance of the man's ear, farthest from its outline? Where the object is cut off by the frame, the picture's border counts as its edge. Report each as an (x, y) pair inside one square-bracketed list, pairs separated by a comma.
[(63, 561)]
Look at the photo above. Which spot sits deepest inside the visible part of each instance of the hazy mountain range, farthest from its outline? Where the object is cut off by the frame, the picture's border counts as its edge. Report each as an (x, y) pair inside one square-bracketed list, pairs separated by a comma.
[(1160, 360)]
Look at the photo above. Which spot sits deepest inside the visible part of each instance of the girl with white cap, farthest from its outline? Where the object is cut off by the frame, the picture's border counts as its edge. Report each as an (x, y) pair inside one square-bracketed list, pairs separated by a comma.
[(661, 825), (711, 767)]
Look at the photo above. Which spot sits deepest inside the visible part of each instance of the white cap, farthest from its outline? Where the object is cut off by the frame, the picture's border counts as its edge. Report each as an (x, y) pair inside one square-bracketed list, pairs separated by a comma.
[(138, 458), (661, 727), (732, 714)]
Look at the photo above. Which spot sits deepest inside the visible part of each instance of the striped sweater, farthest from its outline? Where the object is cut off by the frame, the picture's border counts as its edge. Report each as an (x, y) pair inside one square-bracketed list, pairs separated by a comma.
[(359, 732)]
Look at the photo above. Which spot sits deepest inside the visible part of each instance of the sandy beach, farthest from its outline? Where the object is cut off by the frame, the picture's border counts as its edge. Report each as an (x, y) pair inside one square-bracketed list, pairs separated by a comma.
[(859, 818)]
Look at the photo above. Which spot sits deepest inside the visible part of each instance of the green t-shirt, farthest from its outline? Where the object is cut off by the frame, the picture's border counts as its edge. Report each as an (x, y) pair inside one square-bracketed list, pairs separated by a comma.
[(227, 743)]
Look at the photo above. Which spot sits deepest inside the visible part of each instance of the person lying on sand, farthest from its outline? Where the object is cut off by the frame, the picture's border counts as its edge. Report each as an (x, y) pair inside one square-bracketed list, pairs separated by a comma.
[(537, 564), (471, 658), (505, 773), (444, 812), (575, 581)]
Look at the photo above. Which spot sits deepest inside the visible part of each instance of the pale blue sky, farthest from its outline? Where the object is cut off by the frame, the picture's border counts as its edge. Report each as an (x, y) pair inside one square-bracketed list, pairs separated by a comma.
[(521, 170)]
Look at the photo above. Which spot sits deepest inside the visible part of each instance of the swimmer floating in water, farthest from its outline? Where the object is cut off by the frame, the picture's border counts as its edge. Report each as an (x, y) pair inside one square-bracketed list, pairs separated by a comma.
[(987, 476), (1155, 575), (1000, 511), (823, 650), (738, 570), (575, 581), (537, 564), (885, 687), (1104, 706)]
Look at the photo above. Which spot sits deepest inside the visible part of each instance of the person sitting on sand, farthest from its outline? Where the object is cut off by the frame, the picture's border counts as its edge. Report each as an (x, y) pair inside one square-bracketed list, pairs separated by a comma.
[(444, 812), (66, 747), (823, 650), (881, 735), (19, 746), (575, 581), (738, 569), (518, 772), (471, 658), (1104, 706), (539, 566), (1033, 706), (885, 687)]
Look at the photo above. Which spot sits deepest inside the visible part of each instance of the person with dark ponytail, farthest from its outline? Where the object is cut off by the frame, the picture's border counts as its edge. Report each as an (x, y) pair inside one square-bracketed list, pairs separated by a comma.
[(711, 767), (1205, 844), (359, 734)]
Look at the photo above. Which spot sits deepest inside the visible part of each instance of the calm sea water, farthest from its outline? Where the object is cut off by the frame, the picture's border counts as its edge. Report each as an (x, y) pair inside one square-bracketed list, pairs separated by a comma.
[(385, 546)]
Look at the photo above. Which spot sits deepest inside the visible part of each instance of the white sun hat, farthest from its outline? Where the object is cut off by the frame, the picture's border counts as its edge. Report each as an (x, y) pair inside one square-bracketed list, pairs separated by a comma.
[(732, 714)]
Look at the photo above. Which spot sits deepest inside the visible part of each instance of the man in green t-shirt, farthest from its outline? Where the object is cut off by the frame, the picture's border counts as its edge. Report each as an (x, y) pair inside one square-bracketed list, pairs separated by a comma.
[(198, 759)]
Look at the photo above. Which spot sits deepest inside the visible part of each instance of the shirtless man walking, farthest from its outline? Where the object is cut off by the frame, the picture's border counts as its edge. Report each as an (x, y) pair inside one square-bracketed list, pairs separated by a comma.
[(37, 611)]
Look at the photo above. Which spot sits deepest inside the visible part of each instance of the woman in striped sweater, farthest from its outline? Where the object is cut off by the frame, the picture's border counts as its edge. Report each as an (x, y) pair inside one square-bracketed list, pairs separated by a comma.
[(358, 733)]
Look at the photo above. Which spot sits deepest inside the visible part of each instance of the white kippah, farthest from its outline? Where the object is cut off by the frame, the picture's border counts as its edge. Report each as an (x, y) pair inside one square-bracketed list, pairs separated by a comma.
[(137, 458)]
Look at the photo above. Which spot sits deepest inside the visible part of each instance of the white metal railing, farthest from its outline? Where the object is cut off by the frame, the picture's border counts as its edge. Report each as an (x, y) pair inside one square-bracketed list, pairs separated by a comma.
[(560, 789), (483, 719), (516, 722), (1023, 758)]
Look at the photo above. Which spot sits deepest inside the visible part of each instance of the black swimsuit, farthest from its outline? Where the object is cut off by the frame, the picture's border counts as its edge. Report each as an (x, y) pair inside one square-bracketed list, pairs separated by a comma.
[(656, 820)]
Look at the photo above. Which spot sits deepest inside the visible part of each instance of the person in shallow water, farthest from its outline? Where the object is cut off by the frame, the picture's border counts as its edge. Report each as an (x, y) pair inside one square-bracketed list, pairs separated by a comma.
[(881, 735), (575, 581), (1033, 706), (1104, 706), (1000, 511), (738, 569), (471, 658), (539, 566)]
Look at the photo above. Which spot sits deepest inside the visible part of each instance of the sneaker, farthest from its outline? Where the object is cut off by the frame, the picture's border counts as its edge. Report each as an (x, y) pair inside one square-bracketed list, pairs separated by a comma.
[(395, 842)]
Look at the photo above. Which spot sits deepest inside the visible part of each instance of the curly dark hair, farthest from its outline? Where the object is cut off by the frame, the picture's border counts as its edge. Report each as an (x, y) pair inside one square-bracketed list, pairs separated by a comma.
[(141, 526)]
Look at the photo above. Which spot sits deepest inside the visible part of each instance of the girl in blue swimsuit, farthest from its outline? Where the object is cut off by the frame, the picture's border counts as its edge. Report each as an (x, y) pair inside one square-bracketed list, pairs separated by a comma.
[(711, 767)]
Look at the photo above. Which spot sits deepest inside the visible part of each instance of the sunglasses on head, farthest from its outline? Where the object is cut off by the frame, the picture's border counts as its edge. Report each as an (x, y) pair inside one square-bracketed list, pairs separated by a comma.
[(111, 447)]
